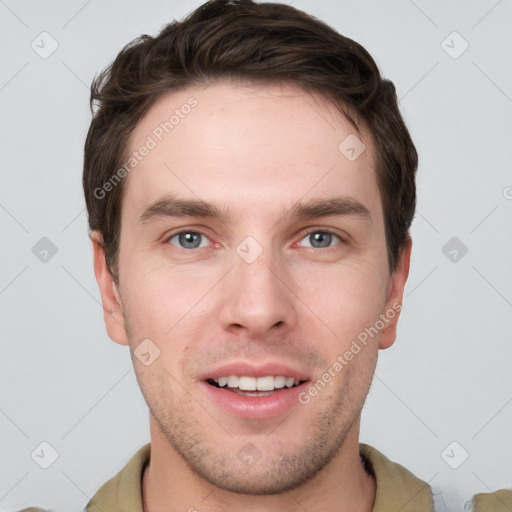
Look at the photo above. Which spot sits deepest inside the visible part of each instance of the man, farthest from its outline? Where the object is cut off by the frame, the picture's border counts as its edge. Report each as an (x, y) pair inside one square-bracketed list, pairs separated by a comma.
[(250, 185)]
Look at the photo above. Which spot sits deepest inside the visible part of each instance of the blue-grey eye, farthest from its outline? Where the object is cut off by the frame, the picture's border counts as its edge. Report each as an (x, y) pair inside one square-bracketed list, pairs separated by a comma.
[(188, 240), (320, 239)]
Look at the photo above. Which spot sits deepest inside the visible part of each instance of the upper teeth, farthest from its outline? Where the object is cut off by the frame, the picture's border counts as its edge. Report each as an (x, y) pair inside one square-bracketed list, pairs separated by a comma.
[(268, 383)]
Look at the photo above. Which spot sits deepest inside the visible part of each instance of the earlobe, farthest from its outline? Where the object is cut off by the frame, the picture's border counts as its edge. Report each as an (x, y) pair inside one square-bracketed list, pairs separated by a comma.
[(110, 298), (393, 304)]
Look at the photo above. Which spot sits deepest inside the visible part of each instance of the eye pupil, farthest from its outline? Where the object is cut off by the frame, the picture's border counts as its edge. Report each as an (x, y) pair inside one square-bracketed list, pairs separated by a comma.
[(189, 240), (323, 238)]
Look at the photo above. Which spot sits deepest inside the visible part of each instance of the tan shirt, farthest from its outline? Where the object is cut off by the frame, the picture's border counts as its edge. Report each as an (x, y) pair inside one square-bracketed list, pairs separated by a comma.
[(397, 488), (499, 501)]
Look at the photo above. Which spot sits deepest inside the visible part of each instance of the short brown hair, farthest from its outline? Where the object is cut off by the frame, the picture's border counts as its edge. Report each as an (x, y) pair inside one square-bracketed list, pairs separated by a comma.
[(241, 39)]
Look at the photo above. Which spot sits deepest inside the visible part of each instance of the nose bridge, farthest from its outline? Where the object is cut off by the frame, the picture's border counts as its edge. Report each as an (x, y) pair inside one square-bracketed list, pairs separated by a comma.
[(255, 296)]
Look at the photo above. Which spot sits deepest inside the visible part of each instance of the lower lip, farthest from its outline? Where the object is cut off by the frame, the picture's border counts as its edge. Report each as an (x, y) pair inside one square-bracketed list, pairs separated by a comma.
[(254, 407)]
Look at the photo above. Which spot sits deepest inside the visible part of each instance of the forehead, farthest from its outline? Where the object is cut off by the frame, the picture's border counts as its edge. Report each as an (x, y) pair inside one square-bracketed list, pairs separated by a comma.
[(249, 147)]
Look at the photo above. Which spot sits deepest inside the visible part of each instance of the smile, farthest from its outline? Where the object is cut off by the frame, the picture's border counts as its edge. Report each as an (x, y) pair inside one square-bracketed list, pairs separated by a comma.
[(254, 386)]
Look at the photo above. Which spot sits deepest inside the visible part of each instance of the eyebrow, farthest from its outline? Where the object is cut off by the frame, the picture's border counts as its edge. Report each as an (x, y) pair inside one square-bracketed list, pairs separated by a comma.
[(171, 206)]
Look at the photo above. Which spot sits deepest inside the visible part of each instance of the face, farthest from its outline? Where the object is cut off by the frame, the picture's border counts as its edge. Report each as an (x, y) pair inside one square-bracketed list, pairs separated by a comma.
[(268, 285)]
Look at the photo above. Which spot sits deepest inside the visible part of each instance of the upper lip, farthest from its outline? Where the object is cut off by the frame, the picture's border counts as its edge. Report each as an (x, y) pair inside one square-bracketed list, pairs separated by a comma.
[(244, 368)]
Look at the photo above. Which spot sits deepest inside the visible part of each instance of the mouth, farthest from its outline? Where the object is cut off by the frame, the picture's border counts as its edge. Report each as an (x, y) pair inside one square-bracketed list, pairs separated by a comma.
[(246, 385), (249, 390)]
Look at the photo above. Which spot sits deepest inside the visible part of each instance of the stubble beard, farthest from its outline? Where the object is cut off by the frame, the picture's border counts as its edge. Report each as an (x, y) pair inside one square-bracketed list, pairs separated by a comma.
[(278, 470)]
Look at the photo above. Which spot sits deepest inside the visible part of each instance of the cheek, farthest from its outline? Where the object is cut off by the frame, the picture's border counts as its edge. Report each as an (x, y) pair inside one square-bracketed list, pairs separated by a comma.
[(168, 305), (160, 295), (348, 298)]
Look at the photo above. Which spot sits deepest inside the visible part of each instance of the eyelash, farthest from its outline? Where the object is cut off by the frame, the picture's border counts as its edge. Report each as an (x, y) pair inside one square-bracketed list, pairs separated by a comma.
[(305, 234)]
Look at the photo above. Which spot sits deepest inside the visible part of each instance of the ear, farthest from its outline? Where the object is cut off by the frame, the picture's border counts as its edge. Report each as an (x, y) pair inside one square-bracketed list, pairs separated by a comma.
[(393, 304), (112, 305)]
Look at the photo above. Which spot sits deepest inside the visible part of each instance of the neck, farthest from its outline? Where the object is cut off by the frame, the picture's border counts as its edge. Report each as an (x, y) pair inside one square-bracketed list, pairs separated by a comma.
[(342, 485)]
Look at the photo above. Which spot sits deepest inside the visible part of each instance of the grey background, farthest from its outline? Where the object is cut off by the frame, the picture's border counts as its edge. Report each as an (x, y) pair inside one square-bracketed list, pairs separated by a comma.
[(448, 376)]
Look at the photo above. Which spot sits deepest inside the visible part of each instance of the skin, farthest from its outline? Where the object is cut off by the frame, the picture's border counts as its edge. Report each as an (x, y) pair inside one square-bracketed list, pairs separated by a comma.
[(254, 151)]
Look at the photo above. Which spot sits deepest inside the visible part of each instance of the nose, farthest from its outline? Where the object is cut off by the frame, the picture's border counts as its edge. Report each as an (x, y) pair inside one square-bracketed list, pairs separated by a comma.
[(257, 298)]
